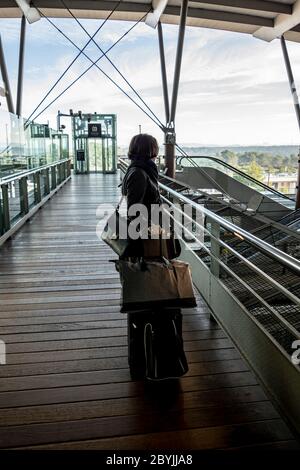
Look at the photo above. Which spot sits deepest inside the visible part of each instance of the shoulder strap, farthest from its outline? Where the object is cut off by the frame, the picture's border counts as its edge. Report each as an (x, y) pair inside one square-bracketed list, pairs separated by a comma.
[(120, 202)]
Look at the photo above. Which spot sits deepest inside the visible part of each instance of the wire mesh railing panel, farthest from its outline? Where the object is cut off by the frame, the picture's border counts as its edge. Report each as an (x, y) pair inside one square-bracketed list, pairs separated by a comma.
[(274, 328)]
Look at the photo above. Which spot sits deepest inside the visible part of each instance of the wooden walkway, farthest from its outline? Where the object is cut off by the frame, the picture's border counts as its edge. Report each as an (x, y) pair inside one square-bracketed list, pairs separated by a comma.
[(66, 384)]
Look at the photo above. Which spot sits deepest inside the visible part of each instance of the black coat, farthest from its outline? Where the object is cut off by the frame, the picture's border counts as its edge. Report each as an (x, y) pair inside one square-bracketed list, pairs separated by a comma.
[(140, 184)]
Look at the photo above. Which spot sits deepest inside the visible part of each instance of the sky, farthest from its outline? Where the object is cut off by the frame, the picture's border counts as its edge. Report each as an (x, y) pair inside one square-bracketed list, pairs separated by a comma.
[(233, 88)]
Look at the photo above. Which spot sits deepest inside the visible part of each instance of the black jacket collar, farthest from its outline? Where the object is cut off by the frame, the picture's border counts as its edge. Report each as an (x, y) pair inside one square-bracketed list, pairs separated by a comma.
[(148, 166)]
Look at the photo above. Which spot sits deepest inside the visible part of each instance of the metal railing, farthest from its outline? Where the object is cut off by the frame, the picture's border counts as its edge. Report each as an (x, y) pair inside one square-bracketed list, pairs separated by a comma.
[(252, 182), (22, 194), (255, 298), (252, 239), (271, 259), (214, 224), (260, 244)]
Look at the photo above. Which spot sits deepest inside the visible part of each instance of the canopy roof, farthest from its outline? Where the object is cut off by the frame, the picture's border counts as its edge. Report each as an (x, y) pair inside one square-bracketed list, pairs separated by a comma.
[(265, 19)]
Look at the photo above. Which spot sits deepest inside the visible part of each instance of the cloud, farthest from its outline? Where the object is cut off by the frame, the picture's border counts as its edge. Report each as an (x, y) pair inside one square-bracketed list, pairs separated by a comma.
[(10, 29), (233, 88)]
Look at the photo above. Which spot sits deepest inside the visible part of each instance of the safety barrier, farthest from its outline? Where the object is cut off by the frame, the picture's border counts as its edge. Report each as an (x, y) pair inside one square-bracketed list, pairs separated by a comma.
[(21, 195)]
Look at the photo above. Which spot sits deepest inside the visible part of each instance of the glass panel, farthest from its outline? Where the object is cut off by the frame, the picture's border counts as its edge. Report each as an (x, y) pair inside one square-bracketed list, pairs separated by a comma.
[(30, 185), (11, 155), (56, 147), (42, 183), (52, 174), (64, 146), (14, 200), (95, 152), (57, 175), (95, 143), (25, 145)]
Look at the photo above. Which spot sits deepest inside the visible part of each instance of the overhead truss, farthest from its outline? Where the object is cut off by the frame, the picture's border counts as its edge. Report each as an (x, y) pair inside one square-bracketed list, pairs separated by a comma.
[(265, 19)]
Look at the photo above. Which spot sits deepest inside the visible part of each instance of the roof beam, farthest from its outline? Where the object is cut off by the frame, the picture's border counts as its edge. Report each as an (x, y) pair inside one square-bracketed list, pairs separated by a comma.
[(96, 5), (105, 5), (258, 5), (296, 28), (215, 15), (282, 24), (201, 13)]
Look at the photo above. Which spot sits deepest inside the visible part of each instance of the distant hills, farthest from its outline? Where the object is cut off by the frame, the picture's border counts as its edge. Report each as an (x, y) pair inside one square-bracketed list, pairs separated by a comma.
[(282, 150), (210, 150)]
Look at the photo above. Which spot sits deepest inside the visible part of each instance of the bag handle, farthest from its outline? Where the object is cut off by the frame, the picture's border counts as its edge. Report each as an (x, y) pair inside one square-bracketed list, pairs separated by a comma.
[(160, 242), (164, 259), (120, 202)]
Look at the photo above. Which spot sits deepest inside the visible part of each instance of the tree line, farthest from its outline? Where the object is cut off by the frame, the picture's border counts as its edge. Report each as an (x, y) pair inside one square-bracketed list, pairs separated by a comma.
[(258, 164), (267, 161)]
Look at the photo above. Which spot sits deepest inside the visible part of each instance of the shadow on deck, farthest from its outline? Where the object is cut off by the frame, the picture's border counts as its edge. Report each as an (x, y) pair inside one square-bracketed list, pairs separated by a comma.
[(66, 384)]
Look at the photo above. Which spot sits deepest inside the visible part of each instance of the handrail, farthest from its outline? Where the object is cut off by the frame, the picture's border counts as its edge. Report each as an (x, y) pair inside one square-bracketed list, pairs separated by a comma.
[(29, 194), (234, 206), (179, 158), (285, 259), (20, 175), (253, 267)]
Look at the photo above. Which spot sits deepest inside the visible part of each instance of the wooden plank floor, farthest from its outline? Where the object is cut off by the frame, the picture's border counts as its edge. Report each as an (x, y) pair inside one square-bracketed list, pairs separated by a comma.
[(66, 384)]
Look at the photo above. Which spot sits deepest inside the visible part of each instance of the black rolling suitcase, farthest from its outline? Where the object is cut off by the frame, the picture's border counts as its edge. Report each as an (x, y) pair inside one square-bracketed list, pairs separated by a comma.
[(155, 345)]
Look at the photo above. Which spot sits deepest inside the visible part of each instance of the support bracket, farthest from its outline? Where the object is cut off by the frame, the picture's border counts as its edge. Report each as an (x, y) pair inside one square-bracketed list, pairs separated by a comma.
[(30, 13), (153, 18)]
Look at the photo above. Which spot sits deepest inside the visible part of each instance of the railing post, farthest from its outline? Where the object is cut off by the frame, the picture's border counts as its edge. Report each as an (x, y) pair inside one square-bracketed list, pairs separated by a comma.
[(65, 171), (47, 181), (53, 177), (23, 188), (215, 249), (59, 173), (5, 208), (1, 216), (37, 188), (69, 168)]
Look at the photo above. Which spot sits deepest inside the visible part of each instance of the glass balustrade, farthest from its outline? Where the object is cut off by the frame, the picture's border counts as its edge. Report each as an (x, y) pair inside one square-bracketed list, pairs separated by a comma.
[(27, 145)]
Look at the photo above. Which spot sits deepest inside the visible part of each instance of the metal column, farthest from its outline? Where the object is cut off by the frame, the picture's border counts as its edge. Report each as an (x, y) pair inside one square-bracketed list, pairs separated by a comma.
[(21, 66), (170, 141), (9, 100), (163, 71), (296, 105), (183, 15), (170, 137)]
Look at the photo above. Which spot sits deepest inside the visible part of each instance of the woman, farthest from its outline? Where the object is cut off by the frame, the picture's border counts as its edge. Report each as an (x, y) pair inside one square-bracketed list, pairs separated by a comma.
[(140, 183), (140, 186)]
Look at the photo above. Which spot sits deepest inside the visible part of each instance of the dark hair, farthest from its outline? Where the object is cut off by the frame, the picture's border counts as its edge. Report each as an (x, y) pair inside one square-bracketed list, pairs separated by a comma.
[(143, 147)]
